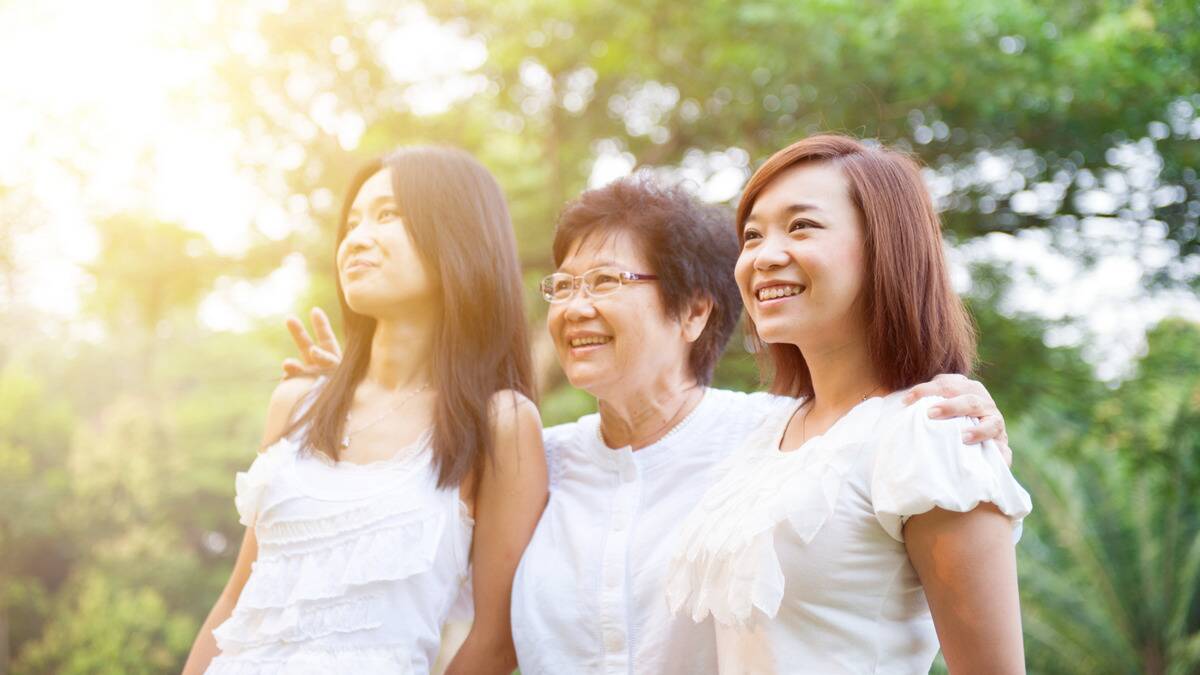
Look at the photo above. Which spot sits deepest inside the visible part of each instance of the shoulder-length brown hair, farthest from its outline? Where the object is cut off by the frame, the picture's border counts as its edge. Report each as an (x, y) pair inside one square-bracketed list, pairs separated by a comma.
[(917, 325), (460, 226)]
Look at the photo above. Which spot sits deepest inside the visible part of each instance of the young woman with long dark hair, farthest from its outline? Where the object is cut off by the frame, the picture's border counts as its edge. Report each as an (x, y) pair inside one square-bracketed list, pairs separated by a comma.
[(409, 481)]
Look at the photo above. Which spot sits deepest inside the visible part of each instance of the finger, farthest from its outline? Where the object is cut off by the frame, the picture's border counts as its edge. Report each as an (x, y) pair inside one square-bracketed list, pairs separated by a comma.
[(324, 330), (921, 391), (959, 406), (1005, 452), (323, 359), (953, 384), (299, 335), (988, 429), (292, 368)]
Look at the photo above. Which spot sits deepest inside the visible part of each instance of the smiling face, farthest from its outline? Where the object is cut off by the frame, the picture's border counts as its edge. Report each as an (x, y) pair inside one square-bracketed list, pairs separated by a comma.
[(379, 267), (613, 345), (802, 263)]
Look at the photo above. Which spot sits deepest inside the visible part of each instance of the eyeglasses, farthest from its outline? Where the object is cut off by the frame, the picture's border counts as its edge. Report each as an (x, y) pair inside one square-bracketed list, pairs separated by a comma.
[(560, 286)]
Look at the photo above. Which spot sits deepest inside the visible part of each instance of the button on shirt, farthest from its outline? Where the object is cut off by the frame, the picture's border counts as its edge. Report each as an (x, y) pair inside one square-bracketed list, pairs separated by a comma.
[(589, 595)]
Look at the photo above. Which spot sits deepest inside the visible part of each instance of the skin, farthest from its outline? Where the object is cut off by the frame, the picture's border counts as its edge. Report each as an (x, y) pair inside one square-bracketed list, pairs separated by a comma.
[(966, 561), (383, 277), (642, 392)]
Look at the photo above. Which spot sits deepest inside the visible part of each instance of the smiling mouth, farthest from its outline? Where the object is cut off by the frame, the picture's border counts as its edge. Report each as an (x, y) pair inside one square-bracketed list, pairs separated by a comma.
[(776, 292), (590, 341)]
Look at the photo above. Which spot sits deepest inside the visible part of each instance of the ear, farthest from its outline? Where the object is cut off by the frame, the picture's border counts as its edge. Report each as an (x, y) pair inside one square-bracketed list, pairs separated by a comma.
[(695, 317)]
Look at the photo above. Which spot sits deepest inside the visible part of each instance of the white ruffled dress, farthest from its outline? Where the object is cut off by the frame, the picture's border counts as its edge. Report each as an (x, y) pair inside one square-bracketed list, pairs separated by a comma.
[(799, 556), (358, 566)]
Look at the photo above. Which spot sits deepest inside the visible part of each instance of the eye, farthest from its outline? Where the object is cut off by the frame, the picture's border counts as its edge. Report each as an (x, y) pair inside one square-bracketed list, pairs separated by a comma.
[(749, 234), (605, 280), (797, 225), (387, 214)]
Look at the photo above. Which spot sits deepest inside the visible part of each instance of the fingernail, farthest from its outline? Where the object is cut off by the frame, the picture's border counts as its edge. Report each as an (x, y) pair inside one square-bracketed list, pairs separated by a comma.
[(968, 437), (935, 411)]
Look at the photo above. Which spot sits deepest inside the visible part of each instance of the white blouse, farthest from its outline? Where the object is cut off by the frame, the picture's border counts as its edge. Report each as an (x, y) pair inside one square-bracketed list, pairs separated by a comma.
[(800, 555), (358, 565), (588, 596)]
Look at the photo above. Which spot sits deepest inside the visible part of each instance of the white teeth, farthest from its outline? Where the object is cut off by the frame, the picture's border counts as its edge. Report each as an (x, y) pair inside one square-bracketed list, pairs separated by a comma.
[(779, 292), (591, 340)]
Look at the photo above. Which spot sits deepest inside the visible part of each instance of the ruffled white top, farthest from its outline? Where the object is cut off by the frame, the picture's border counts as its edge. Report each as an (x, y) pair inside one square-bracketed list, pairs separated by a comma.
[(799, 556), (358, 565)]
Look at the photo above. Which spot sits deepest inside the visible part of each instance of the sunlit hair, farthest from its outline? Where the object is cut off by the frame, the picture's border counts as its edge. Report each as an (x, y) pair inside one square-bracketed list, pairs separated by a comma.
[(917, 326), (687, 243), (460, 226)]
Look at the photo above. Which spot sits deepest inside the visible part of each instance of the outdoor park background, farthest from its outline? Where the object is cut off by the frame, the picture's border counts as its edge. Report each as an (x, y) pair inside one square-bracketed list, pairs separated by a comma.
[(170, 172)]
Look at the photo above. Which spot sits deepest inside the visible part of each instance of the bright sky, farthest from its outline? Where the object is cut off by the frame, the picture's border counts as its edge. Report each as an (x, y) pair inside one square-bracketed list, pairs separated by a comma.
[(109, 107)]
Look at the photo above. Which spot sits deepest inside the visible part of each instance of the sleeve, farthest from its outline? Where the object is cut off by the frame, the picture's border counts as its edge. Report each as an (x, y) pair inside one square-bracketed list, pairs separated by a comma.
[(922, 463), (250, 485), (554, 439)]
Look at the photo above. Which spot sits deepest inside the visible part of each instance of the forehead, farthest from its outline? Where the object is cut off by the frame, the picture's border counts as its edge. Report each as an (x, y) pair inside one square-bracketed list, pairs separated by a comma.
[(605, 246), (817, 184), (377, 186)]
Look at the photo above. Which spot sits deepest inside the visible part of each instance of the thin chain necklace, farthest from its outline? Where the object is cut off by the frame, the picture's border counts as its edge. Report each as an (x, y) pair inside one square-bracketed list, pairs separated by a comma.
[(350, 432), (813, 400), (678, 425)]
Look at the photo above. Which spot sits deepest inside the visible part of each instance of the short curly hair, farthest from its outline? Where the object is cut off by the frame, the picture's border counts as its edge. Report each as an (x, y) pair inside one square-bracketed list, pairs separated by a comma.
[(690, 245)]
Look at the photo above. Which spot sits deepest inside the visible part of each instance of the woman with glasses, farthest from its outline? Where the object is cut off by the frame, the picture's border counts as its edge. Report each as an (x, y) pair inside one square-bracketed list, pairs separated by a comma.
[(640, 309)]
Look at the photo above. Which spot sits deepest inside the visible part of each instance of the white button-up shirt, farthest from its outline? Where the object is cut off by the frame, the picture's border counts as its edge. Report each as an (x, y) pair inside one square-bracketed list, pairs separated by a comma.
[(589, 595)]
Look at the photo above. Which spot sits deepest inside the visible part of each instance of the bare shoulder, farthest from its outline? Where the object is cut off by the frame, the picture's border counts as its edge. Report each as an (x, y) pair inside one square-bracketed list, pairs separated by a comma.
[(512, 404), (516, 423), (284, 399)]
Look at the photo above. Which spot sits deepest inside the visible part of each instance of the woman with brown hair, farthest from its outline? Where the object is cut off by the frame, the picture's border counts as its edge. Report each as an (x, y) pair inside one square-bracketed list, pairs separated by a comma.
[(412, 477), (850, 533)]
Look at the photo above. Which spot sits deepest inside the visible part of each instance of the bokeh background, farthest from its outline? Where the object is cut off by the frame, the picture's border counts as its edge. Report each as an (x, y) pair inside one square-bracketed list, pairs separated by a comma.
[(170, 173)]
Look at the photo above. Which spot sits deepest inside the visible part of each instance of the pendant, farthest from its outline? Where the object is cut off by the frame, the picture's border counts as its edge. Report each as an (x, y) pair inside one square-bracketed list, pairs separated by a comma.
[(345, 441)]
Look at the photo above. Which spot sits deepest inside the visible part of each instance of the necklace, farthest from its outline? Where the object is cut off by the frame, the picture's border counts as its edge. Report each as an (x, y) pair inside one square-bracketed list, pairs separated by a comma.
[(804, 420), (673, 430), (350, 432)]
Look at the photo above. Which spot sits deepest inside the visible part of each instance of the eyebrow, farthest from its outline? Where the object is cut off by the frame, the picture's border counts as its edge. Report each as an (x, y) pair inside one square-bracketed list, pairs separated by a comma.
[(375, 202), (594, 265), (797, 207)]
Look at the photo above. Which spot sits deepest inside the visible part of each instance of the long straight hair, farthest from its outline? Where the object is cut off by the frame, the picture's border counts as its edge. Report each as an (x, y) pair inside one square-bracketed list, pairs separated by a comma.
[(917, 326), (460, 226)]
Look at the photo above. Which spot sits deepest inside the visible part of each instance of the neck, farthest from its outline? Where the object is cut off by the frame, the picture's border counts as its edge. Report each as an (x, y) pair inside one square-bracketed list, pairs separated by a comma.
[(842, 373), (402, 352), (650, 411)]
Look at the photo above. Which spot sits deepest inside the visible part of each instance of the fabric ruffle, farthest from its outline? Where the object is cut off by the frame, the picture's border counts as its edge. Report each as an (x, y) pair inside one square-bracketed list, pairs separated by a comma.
[(377, 661), (390, 553), (329, 585), (726, 564), (252, 483), (923, 463)]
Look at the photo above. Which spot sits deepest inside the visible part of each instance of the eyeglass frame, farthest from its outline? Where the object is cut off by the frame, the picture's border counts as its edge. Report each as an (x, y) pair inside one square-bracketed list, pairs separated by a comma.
[(578, 282)]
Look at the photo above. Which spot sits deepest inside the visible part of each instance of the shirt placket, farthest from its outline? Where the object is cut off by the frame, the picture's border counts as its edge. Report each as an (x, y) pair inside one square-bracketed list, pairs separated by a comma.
[(615, 624)]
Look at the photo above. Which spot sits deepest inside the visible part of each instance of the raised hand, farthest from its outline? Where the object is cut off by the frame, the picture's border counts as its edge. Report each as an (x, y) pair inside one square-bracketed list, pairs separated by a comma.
[(966, 398), (316, 358)]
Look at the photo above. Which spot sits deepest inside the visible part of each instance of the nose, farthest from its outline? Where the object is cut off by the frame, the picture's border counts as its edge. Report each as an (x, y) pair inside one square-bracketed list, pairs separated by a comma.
[(579, 306), (770, 255), (359, 238)]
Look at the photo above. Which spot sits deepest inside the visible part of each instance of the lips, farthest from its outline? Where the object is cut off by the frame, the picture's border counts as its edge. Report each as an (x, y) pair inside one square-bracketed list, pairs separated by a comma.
[(359, 265)]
